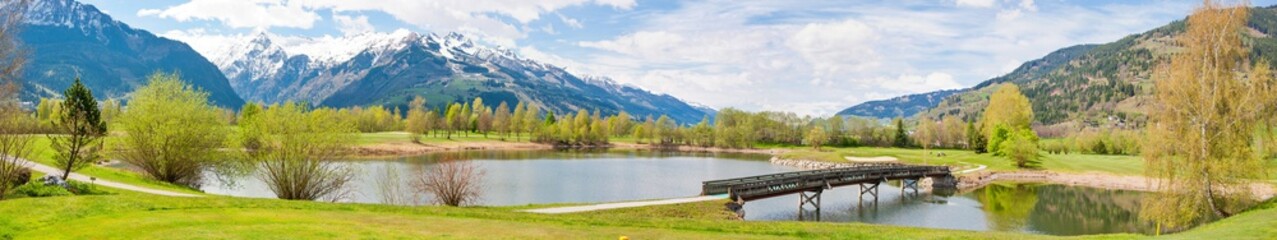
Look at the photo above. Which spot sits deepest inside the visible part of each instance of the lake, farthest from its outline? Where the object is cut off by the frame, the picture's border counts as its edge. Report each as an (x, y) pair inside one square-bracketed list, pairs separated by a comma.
[(539, 177)]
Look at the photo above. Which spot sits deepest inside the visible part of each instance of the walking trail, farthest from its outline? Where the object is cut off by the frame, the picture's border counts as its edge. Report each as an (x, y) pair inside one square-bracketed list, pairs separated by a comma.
[(79, 177), (606, 206)]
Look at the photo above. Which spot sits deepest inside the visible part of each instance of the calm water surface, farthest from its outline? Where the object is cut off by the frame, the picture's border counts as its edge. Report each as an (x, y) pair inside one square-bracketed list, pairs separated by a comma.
[(535, 177)]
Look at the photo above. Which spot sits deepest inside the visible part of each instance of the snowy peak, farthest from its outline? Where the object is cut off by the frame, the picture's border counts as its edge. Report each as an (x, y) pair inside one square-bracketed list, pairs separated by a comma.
[(69, 14), (64, 13), (261, 38)]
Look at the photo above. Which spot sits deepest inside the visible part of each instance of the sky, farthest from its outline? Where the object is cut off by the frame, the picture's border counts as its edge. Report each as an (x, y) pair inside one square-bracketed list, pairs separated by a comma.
[(811, 57)]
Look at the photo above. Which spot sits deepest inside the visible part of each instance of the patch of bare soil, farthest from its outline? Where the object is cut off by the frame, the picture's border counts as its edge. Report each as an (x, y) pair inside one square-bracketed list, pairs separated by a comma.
[(871, 159), (1095, 180)]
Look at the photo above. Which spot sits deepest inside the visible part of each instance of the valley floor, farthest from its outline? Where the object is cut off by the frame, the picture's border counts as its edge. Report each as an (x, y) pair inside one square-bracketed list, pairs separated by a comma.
[(134, 215)]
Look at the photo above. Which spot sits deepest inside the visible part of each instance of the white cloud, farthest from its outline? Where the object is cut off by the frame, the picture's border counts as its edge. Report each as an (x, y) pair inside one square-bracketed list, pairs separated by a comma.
[(146, 12), (976, 3), (640, 43), (483, 19), (737, 54), (811, 57), (919, 84), (486, 20), (349, 25), (835, 48), (203, 41), (241, 13), (571, 22)]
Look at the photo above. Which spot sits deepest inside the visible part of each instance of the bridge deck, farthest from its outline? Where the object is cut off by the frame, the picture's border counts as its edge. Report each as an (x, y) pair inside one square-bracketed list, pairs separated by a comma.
[(771, 185)]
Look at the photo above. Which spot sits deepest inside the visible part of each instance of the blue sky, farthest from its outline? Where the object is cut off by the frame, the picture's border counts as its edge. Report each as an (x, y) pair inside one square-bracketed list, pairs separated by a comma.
[(810, 57)]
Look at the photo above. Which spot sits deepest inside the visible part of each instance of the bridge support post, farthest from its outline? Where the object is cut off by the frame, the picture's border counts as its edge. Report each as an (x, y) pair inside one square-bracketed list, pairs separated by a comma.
[(910, 184), (871, 189), (805, 199)]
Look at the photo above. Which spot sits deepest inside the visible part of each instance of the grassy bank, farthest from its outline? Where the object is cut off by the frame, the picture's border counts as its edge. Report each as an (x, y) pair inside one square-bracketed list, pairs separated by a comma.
[(1119, 165), (130, 216), (135, 216), (44, 154)]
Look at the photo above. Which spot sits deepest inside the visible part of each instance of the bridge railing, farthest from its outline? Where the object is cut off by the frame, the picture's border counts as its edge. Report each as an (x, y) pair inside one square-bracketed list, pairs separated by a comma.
[(786, 183), (797, 173)]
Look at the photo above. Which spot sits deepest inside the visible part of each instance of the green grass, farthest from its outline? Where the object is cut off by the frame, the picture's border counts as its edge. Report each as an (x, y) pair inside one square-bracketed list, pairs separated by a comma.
[(44, 155), (131, 216), (1259, 222), (136, 216), (1119, 165)]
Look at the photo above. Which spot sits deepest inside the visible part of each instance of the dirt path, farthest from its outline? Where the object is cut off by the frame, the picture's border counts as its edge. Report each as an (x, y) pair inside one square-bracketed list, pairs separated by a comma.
[(871, 159), (606, 206), (79, 177)]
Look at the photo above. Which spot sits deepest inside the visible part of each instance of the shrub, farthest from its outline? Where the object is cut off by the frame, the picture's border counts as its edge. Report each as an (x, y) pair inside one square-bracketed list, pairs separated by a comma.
[(81, 188), (37, 189)]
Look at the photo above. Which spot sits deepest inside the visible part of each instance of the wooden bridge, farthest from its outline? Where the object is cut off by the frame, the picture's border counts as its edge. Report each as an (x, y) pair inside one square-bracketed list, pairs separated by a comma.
[(810, 184)]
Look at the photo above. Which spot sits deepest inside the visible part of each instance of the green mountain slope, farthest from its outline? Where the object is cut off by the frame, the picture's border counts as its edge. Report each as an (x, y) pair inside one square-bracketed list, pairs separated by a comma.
[(1099, 85)]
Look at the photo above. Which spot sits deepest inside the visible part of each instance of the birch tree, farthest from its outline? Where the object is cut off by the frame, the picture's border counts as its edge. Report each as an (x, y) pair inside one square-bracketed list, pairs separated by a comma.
[(1209, 101)]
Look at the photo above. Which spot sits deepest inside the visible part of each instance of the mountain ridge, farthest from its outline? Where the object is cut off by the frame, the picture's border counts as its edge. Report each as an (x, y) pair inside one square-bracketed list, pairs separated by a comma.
[(390, 68), (69, 40), (1098, 85)]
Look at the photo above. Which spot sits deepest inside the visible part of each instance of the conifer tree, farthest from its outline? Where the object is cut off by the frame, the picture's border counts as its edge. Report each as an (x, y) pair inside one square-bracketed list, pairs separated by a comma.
[(82, 130)]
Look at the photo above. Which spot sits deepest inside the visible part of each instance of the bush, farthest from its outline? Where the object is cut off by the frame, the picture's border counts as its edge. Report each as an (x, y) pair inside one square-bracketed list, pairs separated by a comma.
[(23, 176), (37, 189), (80, 188)]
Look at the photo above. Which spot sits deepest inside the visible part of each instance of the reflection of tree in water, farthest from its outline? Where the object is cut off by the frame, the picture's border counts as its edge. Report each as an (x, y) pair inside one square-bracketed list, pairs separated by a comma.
[(1066, 210), (1008, 206)]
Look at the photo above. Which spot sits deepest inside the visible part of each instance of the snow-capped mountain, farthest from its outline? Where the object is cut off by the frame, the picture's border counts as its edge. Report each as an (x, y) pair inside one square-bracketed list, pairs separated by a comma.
[(391, 68), (68, 39)]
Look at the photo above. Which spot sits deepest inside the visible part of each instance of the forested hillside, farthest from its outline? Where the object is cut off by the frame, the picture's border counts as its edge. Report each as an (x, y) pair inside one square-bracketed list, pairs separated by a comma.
[(1099, 85)]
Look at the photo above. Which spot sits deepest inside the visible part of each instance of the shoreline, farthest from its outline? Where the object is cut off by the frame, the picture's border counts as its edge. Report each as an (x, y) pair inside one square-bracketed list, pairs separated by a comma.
[(965, 181), (979, 179), (404, 149)]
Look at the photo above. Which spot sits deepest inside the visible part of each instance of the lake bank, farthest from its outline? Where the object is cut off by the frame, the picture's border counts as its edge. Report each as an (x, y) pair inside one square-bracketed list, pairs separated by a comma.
[(979, 179), (406, 148)]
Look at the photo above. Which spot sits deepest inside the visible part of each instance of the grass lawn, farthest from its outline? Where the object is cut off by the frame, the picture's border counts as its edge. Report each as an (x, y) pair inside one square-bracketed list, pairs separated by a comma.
[(1259, 222), (131, 216), (135, 216), (44, 155), (1119, 165)]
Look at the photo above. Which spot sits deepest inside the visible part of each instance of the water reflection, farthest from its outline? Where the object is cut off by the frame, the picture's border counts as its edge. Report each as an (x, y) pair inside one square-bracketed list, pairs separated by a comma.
[(531, 177), (1035, 208)]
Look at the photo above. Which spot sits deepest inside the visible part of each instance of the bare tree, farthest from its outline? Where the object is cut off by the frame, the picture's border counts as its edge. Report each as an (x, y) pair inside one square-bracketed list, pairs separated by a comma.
[(16, 143), (390, 187), (451, 182)]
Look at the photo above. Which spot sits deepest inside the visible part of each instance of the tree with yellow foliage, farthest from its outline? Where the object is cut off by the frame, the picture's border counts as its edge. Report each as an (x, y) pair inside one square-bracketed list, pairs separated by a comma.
[(1209, 102)]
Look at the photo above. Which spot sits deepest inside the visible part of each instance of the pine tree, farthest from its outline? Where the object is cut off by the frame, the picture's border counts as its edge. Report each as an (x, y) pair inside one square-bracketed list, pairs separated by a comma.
[(82, 129), (902, 136)]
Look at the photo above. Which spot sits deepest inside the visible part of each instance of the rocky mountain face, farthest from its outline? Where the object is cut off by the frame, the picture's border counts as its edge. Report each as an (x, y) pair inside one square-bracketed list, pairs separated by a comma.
[(391, 68), (68, 39)]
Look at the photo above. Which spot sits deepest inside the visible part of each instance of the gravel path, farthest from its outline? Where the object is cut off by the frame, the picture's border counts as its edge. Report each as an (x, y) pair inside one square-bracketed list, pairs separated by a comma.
[(606, 206), (79, 177)]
